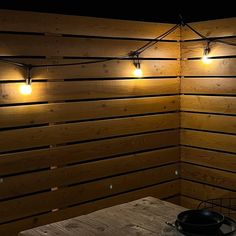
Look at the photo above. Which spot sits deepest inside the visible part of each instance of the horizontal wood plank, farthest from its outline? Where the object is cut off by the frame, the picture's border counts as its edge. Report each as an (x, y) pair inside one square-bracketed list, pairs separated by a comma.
[(114, 68), (208, 122), (208, 104), (193, 203), (174, 199), (160, 191), (53, 46), (208, 158), (211, 28), (43, 180), (59, 156), (64, 133), (203, 192), (222, 142), (189, 203), (74, 90), (61, 198), (143, 216), (217, 67), (80, 25), (209, 176), (208, 86), (13, 116), (196, 48)]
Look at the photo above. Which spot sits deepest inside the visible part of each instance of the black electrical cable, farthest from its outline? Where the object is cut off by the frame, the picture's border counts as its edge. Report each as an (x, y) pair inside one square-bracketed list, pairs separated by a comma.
[(224, 42), (156, 40), (136, 52), (196, 32), (13, 62), (133, 53), (209, 39), (73, 64), (153, 43)]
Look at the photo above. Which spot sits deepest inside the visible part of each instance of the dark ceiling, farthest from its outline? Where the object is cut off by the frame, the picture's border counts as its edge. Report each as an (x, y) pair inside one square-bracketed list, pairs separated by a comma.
[(142, 10)]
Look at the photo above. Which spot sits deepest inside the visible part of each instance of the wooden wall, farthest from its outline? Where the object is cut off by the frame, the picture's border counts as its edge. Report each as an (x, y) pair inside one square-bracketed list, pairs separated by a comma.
[(208, 109), (88, 136), (93, 136)]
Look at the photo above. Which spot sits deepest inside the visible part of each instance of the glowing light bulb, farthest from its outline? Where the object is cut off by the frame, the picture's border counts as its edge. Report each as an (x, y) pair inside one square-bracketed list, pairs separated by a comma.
[(206, 60), (25, 89), (138, 72)]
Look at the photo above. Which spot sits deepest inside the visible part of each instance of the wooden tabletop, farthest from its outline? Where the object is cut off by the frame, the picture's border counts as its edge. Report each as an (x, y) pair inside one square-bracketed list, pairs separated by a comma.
[(146, 216)]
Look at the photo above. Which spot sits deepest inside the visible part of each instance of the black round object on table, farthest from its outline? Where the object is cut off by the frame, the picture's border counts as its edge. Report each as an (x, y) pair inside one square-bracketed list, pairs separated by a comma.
[(228, 227), (200, 221)]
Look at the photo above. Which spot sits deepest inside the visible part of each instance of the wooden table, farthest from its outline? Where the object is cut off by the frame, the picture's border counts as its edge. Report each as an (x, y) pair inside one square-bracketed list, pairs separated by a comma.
[(146, 216)]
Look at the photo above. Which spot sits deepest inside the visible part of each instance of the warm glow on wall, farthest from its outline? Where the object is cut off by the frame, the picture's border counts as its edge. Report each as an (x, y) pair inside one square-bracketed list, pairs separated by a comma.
[(25, 89), (206, 60), (205, 57), (138, 72)]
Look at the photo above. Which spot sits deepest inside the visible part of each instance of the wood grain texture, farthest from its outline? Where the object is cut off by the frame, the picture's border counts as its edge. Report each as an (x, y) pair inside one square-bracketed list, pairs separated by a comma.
[(209, 176), (174, 199), (208, 104), (217, 67), (13, 116), (39, 45), (196, 49), (208, 158), (206, 193), (79, 90), (208, 168), (61, 198), (80, 25), (62, 176), (189, 203), (84, 131), (211, 28), (159, 191), (222, 142), (196, 204), (208, 122), (64, 155), (114, 136), (212, 86), (203, 192), (117, 68), (133, 218)]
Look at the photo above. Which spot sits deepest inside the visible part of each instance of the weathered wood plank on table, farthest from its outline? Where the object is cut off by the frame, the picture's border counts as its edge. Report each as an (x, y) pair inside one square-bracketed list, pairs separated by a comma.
[(145, 216)]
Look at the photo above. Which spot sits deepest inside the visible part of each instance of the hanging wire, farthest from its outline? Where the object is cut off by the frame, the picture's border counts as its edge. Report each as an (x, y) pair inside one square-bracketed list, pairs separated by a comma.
[(129, 55), (209, 39), (156, 40), (73, 64), (13, 62), (224, 42), (132, 54), (195, 31)]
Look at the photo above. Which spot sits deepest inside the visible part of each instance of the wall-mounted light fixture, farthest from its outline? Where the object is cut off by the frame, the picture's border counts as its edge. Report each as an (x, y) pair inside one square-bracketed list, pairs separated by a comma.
[(137, 70), (205, 57), (26, 89)]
